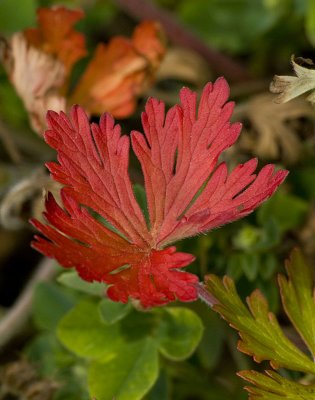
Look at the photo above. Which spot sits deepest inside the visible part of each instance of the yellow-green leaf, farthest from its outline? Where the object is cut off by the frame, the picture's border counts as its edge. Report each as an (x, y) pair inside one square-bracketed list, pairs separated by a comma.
[(297, 293), (82, 332), (273, 386), (260, 332), (128, 376)]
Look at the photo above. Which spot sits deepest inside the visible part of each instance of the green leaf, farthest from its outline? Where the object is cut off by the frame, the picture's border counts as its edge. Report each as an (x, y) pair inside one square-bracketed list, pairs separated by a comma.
[(128, 376), (270, 235), (210, 347), (112, 312), (246, 21), (268, 265), (16, 15), (234, 266), (287, 210), (271, 293), (44, 351), (261, 335), (298, 299), (179, 332), (243, 263), (273, 386), (246, 237), (83, 332), (310, 21), (101, 14), (139, 325), (12, 108), (47, 352), (72, 391), (72, 280), (303, 179), (250, 265), (161, 389), (50, 303)]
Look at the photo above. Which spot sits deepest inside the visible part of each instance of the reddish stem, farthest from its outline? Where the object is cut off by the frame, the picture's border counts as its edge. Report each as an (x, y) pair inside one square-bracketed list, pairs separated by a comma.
[(205, 296), (178, 34)]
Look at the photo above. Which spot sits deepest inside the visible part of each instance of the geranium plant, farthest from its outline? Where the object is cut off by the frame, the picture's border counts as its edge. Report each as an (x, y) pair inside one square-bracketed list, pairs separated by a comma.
[(188, 192), (129, 231)]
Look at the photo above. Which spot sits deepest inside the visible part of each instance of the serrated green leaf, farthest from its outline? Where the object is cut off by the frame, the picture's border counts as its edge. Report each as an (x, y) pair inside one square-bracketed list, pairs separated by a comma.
[(112, 312), (128, 376), (179, 332), (83, 332), (261, 335), (72, 280), (273, 386), (298, 299), (50, 303)]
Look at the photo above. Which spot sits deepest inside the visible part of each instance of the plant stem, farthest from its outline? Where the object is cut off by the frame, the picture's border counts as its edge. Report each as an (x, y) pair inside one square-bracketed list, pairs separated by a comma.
[(205, 296), (178, 34), (9, 144), (15, 319)]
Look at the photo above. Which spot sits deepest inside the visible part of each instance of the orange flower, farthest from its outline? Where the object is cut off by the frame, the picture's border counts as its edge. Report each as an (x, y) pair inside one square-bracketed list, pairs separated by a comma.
[(40, 60), (56, 36), (121, 71)]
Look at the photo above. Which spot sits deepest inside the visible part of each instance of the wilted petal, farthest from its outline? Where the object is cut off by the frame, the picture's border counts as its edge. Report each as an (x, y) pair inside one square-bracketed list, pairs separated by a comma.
[(56, 36), (37, 78), (120, 71), (273, 136), (289, 87)]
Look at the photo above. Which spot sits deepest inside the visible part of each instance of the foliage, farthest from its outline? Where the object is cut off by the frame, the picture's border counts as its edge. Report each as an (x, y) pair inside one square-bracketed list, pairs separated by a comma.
[(24, 15), (256, 19), (260, 332), (112, 340), (177, 152), (80, 344)]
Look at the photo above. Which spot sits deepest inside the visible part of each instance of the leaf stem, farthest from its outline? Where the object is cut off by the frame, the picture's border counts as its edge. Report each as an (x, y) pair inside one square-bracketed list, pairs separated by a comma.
[(15, 319), (205, 296), (178, 34)]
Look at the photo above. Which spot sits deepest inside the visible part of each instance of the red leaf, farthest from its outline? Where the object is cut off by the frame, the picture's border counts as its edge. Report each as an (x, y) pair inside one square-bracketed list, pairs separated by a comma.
[(187, 193), (198, 139)]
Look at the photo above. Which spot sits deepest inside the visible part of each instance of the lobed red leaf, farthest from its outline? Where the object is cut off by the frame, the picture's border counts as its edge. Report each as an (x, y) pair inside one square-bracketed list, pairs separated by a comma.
[(187, 193)]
